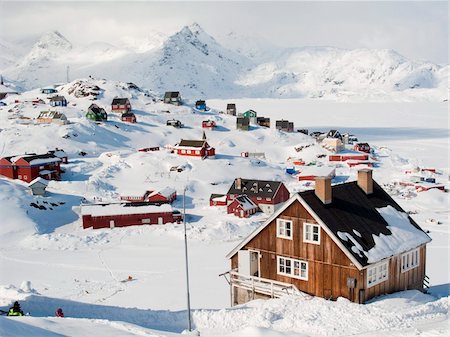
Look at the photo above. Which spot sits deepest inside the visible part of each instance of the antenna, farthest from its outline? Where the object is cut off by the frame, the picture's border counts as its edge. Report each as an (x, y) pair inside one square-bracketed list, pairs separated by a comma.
[(67, 74)]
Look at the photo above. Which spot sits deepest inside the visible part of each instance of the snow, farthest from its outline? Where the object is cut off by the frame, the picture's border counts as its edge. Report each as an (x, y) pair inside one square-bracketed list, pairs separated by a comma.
[(404, 236), (39, 180), (120, 209), (165, 192), (84, 269)]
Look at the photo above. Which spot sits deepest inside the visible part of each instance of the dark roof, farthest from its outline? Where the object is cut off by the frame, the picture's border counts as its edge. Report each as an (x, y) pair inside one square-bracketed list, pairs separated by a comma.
[(29, 157), (171, 94), (262, 119), (57, 98), (192, 143), (258, 188), (214, 195), (96, 109), (243, 121), (200, 101), (120, 101), (352, 209), (128, 114), (231, 106)]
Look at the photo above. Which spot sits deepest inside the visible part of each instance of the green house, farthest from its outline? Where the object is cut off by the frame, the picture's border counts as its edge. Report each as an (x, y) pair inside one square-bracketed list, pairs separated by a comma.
[(96, 113), (250, 114)]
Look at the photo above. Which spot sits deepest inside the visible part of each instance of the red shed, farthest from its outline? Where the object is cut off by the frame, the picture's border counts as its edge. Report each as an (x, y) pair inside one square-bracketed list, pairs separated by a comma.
[(218, 200), (29, 167), (195, 148), (363, 147), (208, 124), (242, 207), (128, 117), (120, 105), (166, 195), (122, 215)]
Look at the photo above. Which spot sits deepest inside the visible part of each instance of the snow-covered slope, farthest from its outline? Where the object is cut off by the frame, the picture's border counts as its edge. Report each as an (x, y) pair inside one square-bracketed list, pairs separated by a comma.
[(194, 63)]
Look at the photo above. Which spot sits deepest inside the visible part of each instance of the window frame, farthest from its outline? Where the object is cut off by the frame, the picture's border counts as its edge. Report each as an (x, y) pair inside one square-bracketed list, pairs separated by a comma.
[(377, 274), (412, 259), (287, 262), (305, 232), (281, 222)]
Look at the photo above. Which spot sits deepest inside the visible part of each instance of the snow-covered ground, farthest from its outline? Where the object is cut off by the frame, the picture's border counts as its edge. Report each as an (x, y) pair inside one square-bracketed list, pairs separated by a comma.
[(85, 271)]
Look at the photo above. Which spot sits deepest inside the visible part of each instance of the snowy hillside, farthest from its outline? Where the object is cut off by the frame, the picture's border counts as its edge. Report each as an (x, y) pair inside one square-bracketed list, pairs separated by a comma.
[(194, 63), (87, 270)]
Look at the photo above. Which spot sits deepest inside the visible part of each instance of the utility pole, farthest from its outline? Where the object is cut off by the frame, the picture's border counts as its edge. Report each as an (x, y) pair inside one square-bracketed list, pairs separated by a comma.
[(186, 258)]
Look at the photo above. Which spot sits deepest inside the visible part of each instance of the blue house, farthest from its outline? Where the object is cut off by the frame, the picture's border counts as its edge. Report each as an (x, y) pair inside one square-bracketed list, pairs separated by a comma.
[(200, 105), (49, 91), (58, 101)]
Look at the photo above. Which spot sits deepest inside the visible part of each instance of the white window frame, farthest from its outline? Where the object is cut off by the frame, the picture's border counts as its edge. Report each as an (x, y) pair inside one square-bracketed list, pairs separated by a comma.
[(289, 266), (197, 152), (305, 232), (188, 151), (146, 221), (377, 274), (183, 151), (410, 260), (281, 229)]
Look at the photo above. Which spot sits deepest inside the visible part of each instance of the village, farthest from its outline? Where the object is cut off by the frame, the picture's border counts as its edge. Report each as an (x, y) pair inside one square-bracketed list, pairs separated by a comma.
[(335, 258)]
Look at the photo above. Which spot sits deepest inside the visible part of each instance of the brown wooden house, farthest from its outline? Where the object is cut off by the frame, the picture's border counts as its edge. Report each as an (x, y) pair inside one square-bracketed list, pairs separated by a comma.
[(349, 240)]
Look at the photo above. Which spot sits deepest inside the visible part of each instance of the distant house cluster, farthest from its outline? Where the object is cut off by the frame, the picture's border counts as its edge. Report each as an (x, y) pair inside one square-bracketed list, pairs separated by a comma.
[(123, 106), (246, 197)]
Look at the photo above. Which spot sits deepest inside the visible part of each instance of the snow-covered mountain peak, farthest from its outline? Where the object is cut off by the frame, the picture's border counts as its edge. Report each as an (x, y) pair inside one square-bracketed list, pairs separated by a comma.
[(53, 41)]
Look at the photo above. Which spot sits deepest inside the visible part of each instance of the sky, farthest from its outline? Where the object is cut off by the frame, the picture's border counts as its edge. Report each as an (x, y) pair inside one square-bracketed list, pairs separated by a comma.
[(416, 29)]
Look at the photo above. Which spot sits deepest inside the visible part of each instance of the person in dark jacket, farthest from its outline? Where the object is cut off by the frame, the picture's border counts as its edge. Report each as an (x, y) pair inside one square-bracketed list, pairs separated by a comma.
[(59, 313), (15, 310)]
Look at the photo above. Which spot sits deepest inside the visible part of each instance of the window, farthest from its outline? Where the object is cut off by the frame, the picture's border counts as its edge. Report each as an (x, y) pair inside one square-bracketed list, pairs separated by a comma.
[(145, 220), (25, 177), (197, 152), (284, 229), (311, 233), (183, 151), (188, 151), (377, 274), (292, 268), (410, 260), (258, 198), (268, 199)]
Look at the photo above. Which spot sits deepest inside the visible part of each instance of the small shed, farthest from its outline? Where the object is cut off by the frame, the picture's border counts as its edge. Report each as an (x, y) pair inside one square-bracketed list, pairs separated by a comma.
[(263, 121), (128, 117), (243, 123), (231, 109), (48, 90), (38, 186), (284, 125), (363, 147), (172, 97), (96, 113), (242, 207), (332, 144), (208, 124), (200, 105), (58, 101), (218, 200)]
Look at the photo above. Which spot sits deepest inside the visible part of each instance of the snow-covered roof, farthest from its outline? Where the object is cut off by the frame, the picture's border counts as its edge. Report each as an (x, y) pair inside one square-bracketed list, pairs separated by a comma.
[(246, 203), (7, 90), (325, 171), (122, 209), (38, 180), (165, 192)]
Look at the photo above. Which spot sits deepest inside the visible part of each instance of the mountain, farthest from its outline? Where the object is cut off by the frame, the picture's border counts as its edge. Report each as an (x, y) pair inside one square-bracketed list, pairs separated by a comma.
[(196, 64)]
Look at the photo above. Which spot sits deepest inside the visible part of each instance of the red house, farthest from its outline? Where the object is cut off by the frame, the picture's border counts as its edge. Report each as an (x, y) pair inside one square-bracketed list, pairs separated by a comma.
[(122, 215), (121, 105), (348, 156), (29, 167), (218, 200), (208, 124), (164, 196), (242, 207), (194, 148), (268, 195), (128, 117)]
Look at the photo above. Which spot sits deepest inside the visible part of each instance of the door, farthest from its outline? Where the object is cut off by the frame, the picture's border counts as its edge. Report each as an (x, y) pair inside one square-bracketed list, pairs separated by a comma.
[(111, 224), (248, 263), (160, 221)]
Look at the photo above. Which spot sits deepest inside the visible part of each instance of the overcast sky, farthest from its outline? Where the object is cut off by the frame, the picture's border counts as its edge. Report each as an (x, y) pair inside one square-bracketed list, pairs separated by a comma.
[(418, 30)]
